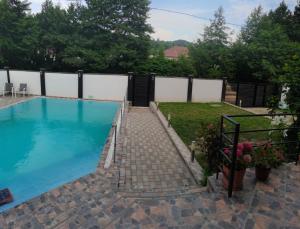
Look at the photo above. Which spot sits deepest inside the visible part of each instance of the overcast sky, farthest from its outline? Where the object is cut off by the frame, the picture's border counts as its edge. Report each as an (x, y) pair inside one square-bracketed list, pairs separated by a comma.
[(169, 26)]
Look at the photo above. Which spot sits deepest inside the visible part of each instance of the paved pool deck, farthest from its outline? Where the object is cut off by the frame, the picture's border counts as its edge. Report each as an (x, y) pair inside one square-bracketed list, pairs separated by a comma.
[(128, 196)]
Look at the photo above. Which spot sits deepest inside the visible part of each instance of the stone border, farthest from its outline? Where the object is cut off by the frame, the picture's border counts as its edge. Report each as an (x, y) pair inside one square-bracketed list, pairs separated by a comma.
[(194, 167), (18, 102), (238, 107)]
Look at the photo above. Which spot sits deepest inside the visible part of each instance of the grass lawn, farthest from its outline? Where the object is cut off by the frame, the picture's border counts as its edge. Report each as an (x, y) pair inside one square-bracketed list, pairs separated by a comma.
[(188, 119)]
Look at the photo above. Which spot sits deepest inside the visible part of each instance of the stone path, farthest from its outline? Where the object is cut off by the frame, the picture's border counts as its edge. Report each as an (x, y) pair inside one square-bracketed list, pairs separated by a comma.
[(150, 160)]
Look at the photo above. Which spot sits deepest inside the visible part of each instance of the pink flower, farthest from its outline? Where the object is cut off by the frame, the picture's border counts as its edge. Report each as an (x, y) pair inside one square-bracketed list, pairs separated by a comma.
[(239, 153), (248, 147), (226, 151), (240, 147), (247, 158)]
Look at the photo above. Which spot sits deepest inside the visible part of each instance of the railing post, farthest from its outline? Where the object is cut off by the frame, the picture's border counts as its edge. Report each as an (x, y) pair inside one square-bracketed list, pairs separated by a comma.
[(7, 73), (115, 142), (221, 142), (224, 88), (233, 160)]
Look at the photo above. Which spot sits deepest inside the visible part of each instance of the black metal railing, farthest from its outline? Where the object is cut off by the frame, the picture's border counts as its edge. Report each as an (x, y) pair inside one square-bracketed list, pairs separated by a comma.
[(231, 139), (117, 128)]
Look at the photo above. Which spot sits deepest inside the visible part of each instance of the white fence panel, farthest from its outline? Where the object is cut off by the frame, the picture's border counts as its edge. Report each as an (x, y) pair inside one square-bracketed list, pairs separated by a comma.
[(105, 87), (171, 89), (207, 90), (32, 79), (3, 79), (61, 85)]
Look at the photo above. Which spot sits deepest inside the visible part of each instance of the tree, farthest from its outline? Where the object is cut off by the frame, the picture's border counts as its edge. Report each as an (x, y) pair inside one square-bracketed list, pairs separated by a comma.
[(118, 34), (216, 31), (164, 67), (296, 24), (211, 55), (53, 36), (291, 79), (283, 16), (250, 30), (17, 28), (265, 45), (267, 51)]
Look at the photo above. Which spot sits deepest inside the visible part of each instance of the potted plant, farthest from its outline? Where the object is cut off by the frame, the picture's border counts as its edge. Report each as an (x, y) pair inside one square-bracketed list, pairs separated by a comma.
[(243, 160), (265, 158)]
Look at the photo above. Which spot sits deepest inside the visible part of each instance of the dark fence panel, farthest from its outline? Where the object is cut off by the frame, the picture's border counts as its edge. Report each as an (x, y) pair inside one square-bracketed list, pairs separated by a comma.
[(260, 96), (249, 94), (246, 95)]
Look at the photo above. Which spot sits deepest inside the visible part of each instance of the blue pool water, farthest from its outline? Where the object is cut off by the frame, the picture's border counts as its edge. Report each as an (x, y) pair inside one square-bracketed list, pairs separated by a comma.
[(47, 142)]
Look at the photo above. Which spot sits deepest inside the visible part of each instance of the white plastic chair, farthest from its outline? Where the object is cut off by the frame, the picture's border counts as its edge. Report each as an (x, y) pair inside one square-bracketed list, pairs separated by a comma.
[(8, 88)]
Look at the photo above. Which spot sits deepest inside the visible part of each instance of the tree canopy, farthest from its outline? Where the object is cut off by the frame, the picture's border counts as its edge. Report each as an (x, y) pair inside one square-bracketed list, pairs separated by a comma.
[(114, 36), (102, 36), (260, 52)]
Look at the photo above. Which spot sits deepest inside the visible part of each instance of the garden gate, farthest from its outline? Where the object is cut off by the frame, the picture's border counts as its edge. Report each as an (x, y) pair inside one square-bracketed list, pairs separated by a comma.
[(141, 89)]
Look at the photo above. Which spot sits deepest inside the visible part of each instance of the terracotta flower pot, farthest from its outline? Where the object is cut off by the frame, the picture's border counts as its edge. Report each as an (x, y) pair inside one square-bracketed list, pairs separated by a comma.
[(261, 173), (238, 178)]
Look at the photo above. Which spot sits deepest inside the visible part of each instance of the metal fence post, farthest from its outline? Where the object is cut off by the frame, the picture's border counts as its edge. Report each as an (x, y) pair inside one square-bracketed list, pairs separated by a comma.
[(190, 88), (152, 87), (80, 84), (130, 87), (237, 93), (224, 88), (264, 95), (233, 160), (43, 82), (255, 95), (8, 74)]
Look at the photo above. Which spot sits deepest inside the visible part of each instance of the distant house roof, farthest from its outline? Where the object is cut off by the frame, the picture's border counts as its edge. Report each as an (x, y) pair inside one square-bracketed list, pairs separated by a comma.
[(175, 52)]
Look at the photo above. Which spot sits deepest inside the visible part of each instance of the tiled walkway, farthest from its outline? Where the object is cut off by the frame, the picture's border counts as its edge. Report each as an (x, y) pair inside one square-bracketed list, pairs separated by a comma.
[(151, 161), (95, 201)]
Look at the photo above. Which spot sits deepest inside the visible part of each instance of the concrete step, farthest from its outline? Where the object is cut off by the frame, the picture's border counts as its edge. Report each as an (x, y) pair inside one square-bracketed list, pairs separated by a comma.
[(230, 93), (176, 191)]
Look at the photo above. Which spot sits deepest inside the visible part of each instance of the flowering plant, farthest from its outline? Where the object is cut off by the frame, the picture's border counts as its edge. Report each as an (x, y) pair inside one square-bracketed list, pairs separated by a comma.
[(268, 156), (243, 154)]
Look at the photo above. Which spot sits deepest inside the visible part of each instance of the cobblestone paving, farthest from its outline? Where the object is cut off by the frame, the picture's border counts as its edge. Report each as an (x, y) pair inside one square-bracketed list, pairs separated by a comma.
[(151, 161), (94, 201), (274, 204)]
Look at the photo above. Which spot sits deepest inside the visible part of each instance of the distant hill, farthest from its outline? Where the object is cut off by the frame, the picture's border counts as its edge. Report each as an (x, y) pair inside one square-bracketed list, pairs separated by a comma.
[(158, 46)]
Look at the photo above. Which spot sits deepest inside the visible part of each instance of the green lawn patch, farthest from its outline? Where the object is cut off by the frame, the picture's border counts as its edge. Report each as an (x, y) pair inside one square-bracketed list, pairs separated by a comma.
[(189, 118)]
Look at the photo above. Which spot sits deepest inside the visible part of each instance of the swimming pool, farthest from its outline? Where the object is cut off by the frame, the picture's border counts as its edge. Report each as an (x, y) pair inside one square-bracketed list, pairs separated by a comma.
[(46, 142)]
